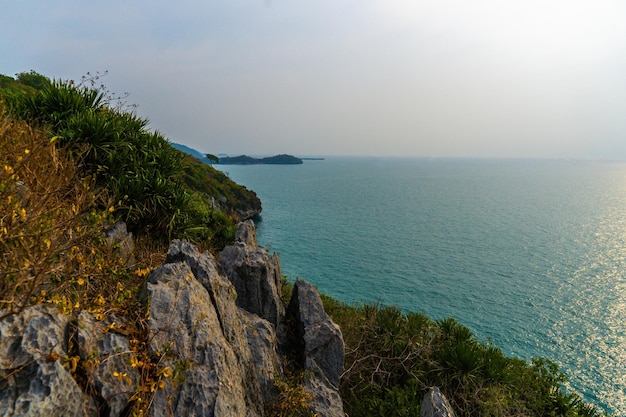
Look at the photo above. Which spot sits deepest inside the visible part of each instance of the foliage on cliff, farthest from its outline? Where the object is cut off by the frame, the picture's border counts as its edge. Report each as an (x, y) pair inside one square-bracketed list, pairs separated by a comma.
[(392, 358), (71, 165), (156, 189)]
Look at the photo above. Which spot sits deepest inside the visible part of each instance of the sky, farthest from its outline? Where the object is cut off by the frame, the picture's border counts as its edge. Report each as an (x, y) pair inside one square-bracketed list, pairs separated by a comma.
[(444, 78)]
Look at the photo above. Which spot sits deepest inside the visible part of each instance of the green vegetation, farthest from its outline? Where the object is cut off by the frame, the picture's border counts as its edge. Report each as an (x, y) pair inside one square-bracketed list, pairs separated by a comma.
[(393, 358), (154, 187)]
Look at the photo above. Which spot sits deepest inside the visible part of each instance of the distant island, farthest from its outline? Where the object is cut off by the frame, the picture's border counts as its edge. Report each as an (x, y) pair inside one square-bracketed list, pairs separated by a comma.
[(282, 159)]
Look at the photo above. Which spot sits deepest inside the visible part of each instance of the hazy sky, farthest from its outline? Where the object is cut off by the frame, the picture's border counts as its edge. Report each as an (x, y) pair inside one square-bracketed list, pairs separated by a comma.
[(454, 78)]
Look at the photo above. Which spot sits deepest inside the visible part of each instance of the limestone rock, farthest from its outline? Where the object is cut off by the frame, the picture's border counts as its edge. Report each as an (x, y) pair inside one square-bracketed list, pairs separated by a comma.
[(34, 382), (35, 332), (255, 274), (323, 345), (263, 345), (214, 357), (435, 404), (109, 353), (321, 348), (325, 400), (194, 318), (223, 296)]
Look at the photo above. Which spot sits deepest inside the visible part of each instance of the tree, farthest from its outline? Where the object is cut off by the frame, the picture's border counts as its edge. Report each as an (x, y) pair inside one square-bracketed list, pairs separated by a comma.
[(33, 79), (212, 158)]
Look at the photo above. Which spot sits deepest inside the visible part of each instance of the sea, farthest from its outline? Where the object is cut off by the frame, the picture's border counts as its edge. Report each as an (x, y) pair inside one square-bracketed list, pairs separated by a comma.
[(530, 254)]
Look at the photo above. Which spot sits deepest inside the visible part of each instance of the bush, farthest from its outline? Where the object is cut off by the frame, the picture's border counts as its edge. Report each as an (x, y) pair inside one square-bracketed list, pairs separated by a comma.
[(393, 358), (51, 242)]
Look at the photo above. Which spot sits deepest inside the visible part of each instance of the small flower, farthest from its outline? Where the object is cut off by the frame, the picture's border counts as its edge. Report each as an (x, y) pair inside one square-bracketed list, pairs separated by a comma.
[(135, 363), (122, 376), (166, 372)]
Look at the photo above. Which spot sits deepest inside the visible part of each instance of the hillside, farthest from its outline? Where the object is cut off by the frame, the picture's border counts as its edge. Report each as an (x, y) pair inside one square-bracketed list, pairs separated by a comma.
[(154, 187), (190, 151)]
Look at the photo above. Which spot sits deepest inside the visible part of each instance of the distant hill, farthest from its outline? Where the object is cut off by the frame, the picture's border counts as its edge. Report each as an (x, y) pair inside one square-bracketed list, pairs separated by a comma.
[(282, 159), (190, 151)]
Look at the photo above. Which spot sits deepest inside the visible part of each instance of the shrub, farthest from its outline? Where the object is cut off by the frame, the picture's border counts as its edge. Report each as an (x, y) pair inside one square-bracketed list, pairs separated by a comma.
[(33, 79), (138, 168), (44, 210), (393, 358), (292, 400)]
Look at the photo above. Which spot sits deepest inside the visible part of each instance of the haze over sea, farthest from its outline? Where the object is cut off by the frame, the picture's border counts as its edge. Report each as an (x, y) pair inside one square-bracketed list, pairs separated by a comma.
[(528, 253)]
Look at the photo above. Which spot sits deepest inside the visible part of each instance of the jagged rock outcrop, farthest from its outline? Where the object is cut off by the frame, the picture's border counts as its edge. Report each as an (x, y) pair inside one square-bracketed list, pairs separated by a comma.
[(220, 359), (106, 356), (33, 381), (435, 404), (319, 346), (193, 317), (255, 274)]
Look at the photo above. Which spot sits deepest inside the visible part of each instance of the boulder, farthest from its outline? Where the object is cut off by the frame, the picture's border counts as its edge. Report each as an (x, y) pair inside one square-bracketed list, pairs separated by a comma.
[(435, 404), (223, 297), (107, 358), (198, 330), (320, 338), (33, 381), (325, 398), (320, 347), (255, 274), (263, 345)]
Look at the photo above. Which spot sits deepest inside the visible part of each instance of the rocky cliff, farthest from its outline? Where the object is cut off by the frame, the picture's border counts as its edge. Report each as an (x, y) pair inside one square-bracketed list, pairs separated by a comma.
[(220, 328)]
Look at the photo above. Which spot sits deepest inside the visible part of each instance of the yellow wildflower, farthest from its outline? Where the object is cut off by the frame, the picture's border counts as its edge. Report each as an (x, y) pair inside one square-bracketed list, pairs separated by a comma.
[(166, 372)]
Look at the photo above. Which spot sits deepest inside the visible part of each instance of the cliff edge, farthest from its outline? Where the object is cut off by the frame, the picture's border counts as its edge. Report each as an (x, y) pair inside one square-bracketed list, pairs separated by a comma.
[(219, 333)]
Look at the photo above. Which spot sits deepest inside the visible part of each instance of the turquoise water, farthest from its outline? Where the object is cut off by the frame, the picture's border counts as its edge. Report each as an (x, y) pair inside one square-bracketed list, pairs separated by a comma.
[(531, 254)]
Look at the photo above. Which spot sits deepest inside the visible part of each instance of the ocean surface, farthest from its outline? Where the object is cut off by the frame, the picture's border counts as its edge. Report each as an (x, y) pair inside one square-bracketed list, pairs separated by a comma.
[(528, 253)]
